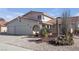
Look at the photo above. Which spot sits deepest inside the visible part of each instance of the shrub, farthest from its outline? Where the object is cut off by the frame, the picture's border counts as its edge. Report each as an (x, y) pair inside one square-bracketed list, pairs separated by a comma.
[(65, 40), (44, 34)]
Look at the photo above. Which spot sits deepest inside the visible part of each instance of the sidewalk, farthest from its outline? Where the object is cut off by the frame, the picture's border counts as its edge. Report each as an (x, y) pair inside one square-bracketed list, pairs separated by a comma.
[(6, 47)]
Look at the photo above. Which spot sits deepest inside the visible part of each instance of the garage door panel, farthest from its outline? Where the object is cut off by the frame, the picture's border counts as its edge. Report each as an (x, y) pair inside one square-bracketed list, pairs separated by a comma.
[(19, 29), (10, 30)]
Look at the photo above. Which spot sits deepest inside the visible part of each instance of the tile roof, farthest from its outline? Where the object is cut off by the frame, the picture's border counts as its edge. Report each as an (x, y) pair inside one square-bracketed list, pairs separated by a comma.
[(51, 22), (2, 22)]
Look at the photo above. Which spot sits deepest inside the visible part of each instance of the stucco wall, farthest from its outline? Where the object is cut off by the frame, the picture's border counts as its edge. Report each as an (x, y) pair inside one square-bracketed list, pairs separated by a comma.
[(33, 15), (23, 27), (45, 19), (3, 29)]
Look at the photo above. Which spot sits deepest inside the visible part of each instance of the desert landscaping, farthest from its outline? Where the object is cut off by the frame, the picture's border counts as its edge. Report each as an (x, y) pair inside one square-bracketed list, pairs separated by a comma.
[(26, 45)]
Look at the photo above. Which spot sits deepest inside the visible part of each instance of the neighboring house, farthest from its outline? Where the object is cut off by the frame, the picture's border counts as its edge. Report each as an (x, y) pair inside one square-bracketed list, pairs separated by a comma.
[(3, 27), (73, 22), (29, 23)]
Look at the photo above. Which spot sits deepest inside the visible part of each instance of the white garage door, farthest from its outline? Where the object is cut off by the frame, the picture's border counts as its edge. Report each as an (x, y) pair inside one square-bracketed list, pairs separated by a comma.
[(10, 30), (19, 30)]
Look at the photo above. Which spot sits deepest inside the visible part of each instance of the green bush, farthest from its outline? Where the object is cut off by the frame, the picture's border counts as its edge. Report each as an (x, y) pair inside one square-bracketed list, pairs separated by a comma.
[(44, 32)]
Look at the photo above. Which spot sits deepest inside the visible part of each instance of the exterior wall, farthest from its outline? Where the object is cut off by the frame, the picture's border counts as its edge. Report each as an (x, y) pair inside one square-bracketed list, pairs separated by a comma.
[(45, 19), (0, 28), (77, 25), (3, 29), (33, 15), (74, 21), (24, 26)]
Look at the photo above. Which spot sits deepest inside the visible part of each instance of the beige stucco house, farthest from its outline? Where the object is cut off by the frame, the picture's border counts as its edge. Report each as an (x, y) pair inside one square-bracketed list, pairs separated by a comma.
[(3, 27), (30, 22)]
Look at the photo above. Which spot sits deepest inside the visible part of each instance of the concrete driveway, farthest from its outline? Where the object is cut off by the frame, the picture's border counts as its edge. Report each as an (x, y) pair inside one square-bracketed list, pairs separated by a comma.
[(7, 47), (5, 43), (17, 43)]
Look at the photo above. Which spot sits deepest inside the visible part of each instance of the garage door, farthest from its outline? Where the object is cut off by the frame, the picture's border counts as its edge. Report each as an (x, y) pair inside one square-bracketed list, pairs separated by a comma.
[(10, 30), (20, 29)]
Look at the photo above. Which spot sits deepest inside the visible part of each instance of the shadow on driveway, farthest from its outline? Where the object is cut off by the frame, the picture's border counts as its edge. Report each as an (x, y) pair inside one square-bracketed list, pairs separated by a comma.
[(36, 41)]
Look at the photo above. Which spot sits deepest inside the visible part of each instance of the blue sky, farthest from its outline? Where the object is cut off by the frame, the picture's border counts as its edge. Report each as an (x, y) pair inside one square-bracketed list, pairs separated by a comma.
[(11, 13)]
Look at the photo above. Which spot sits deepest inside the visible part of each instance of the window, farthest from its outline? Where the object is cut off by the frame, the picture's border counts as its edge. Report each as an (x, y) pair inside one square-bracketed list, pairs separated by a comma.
[(39, 17)]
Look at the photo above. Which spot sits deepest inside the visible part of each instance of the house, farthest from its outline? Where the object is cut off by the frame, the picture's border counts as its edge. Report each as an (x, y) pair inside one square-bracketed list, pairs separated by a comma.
[(73, 22), (3, 27), (29, 23)]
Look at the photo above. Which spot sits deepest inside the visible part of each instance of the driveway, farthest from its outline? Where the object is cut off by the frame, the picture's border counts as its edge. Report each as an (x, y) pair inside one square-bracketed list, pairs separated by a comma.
[(7, 47), (29, 43)]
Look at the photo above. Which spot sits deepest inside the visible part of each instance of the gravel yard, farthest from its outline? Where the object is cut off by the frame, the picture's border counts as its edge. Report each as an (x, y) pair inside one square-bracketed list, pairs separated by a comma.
[(23, 41)]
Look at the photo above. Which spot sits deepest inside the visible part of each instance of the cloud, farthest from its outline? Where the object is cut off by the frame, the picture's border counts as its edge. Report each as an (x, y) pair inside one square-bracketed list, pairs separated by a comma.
[(13, 15), (8, 14), (77, 14), (9, 17), (18, 13)]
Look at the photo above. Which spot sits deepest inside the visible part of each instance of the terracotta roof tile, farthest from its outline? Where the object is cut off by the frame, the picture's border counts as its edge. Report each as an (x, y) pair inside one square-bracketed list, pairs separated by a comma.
[(51, 22), (2, 23)]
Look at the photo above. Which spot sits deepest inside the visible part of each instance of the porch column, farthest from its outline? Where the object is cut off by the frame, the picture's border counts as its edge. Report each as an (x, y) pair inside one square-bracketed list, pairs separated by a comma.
[(57, 26), (40, 26)]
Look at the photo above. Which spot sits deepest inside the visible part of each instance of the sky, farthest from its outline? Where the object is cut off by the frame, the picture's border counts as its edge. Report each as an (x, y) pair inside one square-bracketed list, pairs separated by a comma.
[(11, 13)]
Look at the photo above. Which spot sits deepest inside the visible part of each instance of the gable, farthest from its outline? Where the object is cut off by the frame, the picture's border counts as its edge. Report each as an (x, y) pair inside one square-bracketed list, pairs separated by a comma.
[(33, 15)]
